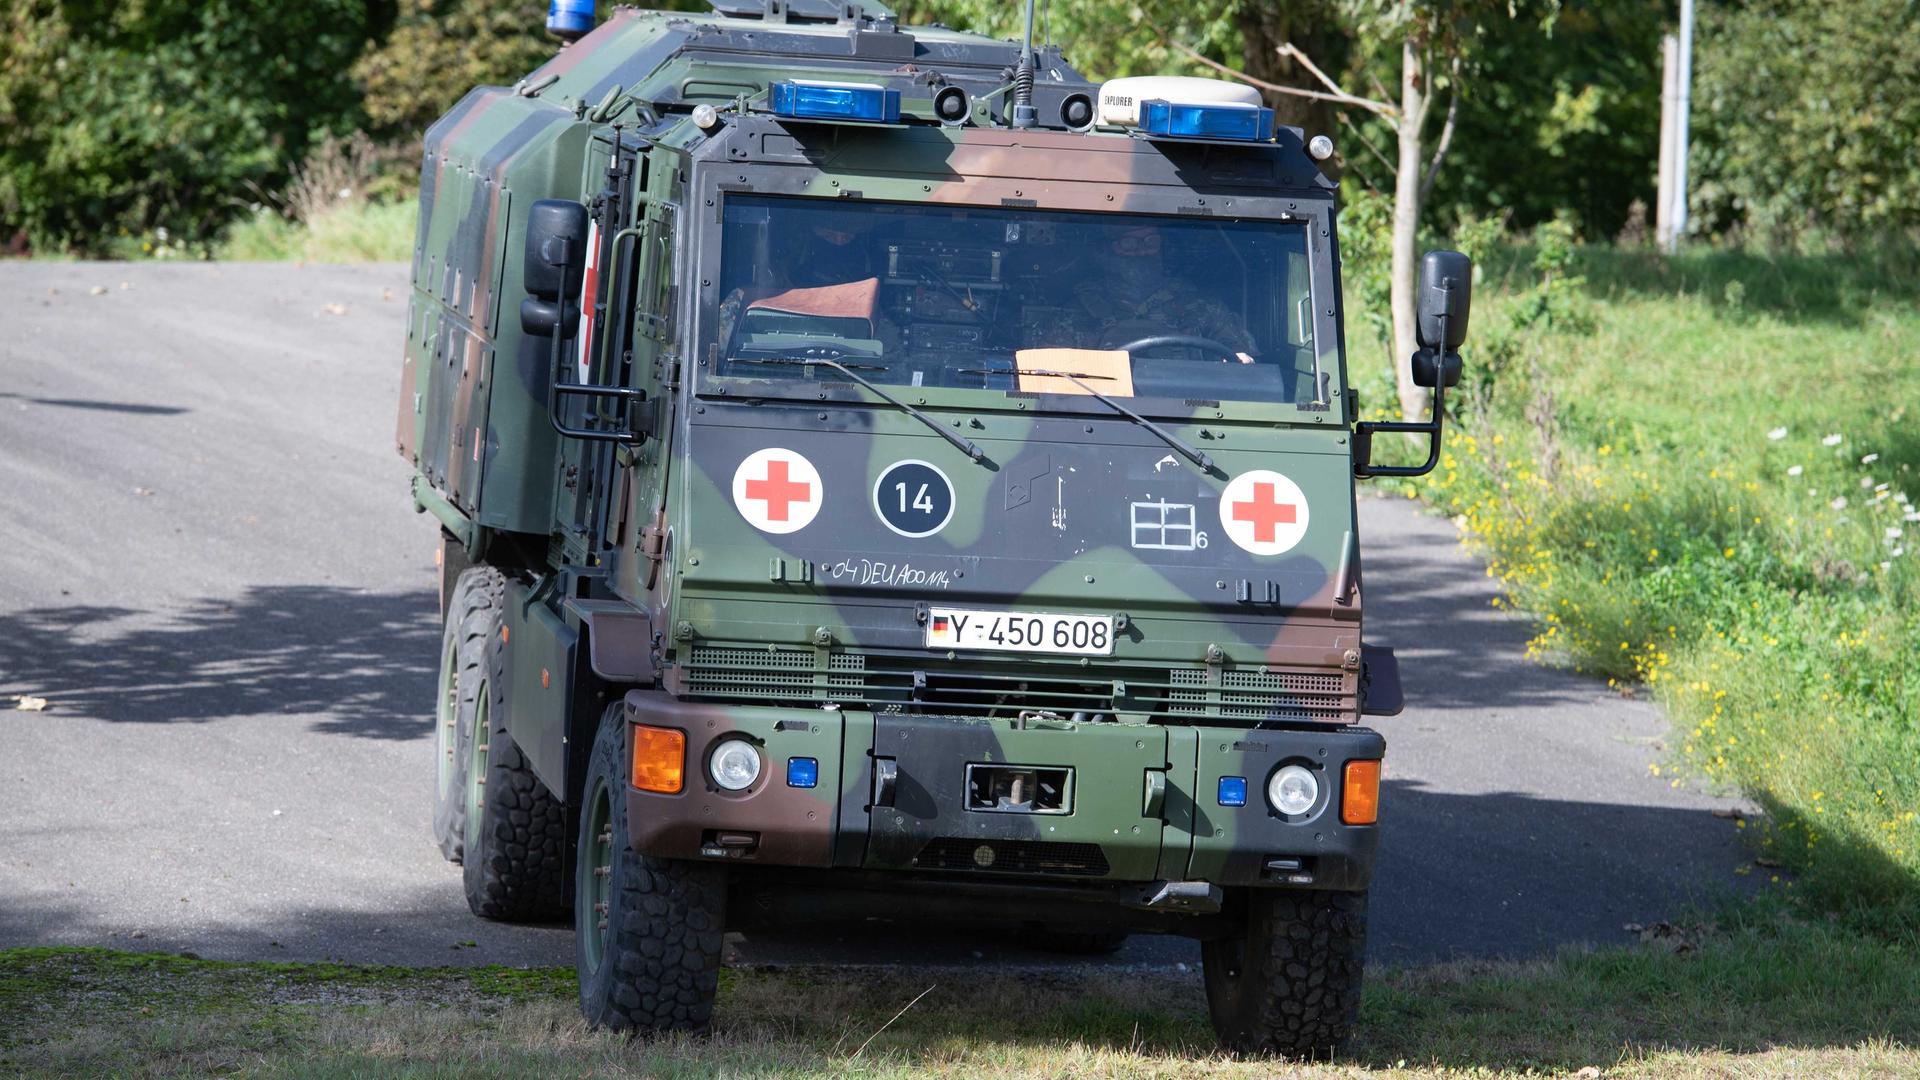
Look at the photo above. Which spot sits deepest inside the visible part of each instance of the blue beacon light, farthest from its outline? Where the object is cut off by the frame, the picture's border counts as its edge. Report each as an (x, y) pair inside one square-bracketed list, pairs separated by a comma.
[(570, 20), (834, 101), (1172, 120)]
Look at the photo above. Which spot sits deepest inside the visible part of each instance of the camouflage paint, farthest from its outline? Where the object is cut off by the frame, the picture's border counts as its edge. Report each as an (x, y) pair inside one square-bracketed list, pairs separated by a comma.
[(1227, 664)]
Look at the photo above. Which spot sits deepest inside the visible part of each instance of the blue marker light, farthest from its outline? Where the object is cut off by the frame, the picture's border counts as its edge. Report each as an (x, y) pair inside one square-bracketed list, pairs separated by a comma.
[(1250, 123), (805, 772), (1233, 791), (570, 19), (834, 101)]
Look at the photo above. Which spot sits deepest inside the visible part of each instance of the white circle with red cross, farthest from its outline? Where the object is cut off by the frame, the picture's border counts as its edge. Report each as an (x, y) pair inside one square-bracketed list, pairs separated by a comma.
[(1263, 512), (777, 490)]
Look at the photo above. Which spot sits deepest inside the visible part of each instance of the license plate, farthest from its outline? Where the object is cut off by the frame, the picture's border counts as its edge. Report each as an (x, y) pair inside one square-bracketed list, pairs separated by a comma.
[(1020, 631)]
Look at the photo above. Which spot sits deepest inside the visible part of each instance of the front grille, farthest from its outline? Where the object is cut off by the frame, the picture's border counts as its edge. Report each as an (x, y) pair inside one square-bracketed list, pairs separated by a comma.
[(913, 685), (1012, 857)]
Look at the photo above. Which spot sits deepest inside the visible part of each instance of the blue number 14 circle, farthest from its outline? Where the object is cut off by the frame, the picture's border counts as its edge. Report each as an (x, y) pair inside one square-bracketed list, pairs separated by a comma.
[(913, 498)]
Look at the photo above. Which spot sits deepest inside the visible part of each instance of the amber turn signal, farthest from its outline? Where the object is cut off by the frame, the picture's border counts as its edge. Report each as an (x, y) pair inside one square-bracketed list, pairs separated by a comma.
[(1360, 793), (659, 759)]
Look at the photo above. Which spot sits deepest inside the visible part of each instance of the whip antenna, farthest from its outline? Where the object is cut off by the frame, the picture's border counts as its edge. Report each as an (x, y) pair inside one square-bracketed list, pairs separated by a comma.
[(1024, 114)]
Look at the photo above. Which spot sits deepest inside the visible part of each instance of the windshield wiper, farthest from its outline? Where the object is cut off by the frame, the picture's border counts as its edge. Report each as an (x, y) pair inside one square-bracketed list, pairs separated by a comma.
[(1198, 457), (964, 444)]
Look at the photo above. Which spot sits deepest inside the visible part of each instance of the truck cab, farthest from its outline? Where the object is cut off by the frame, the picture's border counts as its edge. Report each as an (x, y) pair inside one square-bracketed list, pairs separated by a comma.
[(884, 474)]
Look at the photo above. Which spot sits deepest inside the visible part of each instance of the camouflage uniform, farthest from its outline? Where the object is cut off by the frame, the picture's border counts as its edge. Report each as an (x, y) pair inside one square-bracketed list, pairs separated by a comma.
[(1105, 317)]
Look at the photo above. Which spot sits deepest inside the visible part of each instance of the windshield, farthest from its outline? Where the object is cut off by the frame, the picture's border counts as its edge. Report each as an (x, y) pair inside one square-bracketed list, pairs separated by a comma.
[(1016, 299)]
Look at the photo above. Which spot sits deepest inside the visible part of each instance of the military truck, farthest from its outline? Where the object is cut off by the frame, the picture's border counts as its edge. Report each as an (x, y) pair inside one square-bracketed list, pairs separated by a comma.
[(884, 475)]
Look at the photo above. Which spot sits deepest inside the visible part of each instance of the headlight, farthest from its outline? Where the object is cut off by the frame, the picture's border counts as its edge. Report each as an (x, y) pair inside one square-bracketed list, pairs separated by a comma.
[(734, 764), (1293, 790)]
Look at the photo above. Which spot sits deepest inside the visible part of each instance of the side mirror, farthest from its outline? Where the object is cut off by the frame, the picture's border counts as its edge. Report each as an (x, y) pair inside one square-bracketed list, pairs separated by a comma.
[(553, 267), (556, 250), (1446, 296), (1440, 324)]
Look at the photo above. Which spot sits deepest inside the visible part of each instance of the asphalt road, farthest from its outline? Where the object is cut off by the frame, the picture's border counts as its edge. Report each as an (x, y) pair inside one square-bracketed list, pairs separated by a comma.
[(209, 566)]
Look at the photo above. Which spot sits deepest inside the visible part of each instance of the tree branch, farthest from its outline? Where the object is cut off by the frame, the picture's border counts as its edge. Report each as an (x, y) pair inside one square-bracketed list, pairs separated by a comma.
[(1288, 50), (1440, 150), (1446, 131), (1364, 141), (1345, 99)]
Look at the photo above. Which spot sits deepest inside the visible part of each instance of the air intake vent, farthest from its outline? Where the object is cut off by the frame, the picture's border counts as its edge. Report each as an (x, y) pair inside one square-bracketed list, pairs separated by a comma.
[(929, 687)]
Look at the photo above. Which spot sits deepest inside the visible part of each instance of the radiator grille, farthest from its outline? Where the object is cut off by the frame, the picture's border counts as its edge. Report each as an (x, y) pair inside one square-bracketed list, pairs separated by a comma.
[(913, 685)]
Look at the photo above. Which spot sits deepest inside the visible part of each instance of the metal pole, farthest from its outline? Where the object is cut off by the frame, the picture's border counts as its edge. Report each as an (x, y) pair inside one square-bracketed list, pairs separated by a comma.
[(1680, 127), (1669, 101)]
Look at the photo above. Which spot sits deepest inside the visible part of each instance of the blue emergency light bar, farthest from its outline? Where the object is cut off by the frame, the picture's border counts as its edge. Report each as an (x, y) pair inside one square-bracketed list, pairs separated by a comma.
[(834, 101), (1172, 120)]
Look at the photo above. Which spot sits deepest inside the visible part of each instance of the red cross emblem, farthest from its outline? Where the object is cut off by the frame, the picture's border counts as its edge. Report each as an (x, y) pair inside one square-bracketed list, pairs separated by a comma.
[(777, 490), (1265, 511)]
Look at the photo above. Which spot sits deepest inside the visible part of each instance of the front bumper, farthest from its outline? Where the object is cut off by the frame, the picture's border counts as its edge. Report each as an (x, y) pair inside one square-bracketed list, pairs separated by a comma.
[(1141, 803)]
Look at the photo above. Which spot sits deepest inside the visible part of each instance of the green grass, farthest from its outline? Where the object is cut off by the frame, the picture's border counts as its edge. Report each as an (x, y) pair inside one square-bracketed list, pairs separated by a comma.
[(1695, 474), (1753, 995), (357, 231)]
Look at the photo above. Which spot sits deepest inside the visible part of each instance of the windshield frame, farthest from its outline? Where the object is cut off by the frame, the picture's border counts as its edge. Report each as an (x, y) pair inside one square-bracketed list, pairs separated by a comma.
[(1312, 210)]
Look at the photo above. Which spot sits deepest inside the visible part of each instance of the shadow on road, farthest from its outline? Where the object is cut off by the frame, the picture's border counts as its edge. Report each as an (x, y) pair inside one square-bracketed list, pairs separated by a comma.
[(1458, 879), (364, 661), (133, 407)]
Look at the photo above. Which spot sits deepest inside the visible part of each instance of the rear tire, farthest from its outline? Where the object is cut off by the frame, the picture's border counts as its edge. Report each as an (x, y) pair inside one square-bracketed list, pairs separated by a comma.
[(514, 847), (473, 608), (1287, 981), (647, 931)]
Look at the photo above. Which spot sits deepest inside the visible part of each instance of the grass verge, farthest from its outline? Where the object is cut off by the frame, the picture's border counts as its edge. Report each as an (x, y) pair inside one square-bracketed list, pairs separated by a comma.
[(358, 230), (1756, 996), (1695, 474)]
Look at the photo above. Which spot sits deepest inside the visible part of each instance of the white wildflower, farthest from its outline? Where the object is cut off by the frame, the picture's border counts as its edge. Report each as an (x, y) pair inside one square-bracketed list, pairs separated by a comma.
[(1866, 482), (1893, 532), (1870, 459), (1777, 434), (1897, 552), (1839, 502), (1911, 515), (1795, 471), (1831, 440)]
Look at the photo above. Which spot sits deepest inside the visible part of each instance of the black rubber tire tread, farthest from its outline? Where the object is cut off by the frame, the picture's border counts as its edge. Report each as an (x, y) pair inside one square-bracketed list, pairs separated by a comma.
[(1289, 982), (660, 968), (1068, 941), (473, 608), (517, 870)]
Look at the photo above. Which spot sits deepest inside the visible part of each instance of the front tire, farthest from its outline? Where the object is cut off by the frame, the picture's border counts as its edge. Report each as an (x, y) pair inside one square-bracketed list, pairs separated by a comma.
[(1287, 981), (647, 931), (472, 611)]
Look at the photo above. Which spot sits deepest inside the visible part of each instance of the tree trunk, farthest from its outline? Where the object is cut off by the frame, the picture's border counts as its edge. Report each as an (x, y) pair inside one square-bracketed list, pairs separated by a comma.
[(1406, 230), (1315, 29)]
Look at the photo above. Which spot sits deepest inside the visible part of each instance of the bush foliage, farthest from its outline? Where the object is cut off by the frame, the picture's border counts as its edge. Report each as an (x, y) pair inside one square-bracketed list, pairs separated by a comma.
[(119, 120), (1808, 115)]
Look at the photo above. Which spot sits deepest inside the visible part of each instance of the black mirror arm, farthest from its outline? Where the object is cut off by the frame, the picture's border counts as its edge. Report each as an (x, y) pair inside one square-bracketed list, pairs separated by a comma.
[(1363, 440)]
